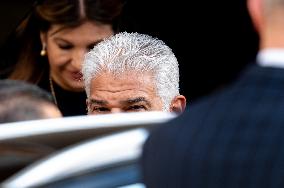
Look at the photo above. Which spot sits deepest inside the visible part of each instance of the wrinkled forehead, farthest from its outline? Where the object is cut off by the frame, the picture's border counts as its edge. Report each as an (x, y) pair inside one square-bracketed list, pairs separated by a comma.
[(127, 80), (126, 73), (116, 90)]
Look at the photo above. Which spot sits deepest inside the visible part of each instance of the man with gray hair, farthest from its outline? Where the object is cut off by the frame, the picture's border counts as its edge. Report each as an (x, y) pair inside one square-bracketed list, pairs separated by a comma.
[(132, 72)]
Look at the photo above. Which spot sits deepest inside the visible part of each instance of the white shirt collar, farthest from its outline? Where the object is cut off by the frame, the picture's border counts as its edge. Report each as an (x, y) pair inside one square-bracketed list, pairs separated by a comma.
[(272, 57)]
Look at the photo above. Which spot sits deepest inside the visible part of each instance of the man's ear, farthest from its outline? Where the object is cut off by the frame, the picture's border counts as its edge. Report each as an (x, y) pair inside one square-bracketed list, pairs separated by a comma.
[(87, 105), (178, 104), (255, 9)]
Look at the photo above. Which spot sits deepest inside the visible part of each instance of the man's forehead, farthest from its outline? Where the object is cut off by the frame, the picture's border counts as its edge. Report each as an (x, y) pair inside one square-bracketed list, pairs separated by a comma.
[(125, 87), (126, 81), (121, 95)]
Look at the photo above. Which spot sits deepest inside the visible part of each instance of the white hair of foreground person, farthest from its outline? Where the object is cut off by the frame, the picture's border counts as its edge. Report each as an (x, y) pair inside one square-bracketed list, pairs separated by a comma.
[(135, 52)]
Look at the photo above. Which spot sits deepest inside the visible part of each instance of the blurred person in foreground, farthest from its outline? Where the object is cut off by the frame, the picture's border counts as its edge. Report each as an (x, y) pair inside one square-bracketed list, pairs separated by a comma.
[(21, 101), (132, 72), (50, 43), (232, 138)]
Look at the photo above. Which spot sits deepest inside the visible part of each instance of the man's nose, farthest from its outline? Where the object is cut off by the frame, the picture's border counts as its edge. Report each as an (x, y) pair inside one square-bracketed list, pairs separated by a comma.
[(77, 59), (116, 110)]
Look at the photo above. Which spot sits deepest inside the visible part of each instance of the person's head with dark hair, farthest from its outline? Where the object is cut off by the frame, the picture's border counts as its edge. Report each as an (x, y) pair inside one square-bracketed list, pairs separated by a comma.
[(50, 43), (23, 101), (58, 28)]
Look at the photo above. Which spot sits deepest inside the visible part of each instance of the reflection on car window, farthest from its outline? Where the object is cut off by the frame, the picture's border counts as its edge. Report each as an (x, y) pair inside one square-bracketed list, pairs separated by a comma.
[(136, 185)]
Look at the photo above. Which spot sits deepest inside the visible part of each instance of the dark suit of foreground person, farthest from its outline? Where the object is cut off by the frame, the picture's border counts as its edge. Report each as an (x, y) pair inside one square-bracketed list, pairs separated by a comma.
[(234, 138)]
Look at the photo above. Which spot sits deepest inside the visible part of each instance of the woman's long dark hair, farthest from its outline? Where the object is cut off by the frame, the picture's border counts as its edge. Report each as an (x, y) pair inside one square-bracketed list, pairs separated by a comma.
[(25, 45)]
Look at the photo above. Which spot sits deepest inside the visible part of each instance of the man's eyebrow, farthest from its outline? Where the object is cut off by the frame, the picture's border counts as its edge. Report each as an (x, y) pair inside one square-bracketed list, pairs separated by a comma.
[(98, 102), (136, 100)]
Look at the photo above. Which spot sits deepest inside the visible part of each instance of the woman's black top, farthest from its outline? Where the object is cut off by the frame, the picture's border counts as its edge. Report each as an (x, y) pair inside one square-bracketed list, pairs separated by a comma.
[(69, 103)]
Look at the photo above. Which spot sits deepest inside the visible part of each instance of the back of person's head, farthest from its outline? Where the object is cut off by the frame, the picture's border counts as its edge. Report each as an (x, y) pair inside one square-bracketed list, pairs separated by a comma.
[(269, 6), (141, 53), (23, 101), (267, 17)]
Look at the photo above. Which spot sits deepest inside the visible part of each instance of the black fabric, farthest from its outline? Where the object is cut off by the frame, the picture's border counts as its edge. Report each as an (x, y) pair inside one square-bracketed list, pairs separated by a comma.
[(231, 139), (69, 103)]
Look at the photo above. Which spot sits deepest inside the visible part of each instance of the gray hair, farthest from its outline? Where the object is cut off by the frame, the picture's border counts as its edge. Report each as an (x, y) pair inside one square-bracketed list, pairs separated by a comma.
[(135, 52)]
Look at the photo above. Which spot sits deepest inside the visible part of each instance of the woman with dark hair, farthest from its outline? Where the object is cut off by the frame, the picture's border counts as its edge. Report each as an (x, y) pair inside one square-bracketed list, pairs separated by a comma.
[(51, 43)]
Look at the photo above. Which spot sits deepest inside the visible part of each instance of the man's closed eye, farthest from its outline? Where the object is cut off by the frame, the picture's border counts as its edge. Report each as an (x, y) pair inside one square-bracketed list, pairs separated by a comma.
[(100, 109), (136, 108)]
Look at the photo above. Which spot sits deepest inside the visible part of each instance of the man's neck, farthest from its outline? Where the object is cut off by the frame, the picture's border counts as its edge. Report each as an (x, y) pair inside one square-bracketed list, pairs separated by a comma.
[(271, 36)]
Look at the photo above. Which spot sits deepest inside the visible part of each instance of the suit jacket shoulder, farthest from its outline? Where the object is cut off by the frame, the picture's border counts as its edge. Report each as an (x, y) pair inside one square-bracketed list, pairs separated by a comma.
[(232, 138)]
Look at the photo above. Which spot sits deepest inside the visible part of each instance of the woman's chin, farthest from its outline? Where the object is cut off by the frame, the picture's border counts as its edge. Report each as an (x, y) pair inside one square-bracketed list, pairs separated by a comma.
[(77, 86)]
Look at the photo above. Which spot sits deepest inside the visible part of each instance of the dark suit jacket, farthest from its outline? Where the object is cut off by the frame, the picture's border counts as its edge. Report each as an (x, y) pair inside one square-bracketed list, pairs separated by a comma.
[(231, 139)]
